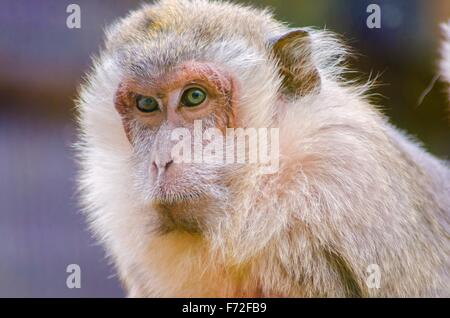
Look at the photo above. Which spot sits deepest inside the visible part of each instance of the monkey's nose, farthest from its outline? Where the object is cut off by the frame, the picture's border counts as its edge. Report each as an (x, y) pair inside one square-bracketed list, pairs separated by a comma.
[(161, 166)]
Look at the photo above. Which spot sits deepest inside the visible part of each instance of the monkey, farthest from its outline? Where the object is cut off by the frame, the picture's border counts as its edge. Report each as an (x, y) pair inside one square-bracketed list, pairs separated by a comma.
[(351, 191)]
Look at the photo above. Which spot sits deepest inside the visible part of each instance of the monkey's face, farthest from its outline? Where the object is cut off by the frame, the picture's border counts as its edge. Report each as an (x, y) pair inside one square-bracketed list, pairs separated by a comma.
[(175, 76), (165, 118)]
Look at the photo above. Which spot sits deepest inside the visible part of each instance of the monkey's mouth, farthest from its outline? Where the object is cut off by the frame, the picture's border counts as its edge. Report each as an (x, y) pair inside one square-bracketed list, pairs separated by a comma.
[(175, 192), (163, 197), (181, 211), (179, 204)]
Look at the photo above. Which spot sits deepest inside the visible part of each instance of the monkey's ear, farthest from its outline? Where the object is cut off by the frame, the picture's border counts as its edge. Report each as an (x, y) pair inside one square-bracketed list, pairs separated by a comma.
[(294, 54)]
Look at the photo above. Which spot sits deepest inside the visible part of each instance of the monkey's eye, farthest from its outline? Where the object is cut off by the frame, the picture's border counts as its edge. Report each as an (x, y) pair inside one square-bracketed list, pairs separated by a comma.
[(146, 104), (193, 96)]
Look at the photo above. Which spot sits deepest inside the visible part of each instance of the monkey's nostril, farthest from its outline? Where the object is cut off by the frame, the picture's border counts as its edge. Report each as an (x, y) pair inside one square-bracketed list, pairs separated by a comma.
[(161, 166), (168, 163)]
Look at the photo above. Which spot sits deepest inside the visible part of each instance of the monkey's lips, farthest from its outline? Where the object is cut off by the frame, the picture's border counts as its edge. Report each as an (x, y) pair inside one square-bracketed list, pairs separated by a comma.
[(178, 183), (172, 190), (179, 204)]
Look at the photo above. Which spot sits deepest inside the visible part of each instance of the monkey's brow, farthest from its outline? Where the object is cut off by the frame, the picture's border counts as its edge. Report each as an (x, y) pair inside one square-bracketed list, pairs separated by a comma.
[(137, 64), (145, 71), (140, 70)]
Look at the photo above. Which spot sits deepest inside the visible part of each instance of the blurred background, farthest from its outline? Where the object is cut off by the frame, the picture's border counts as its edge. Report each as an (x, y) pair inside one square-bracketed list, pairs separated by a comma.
[(42, 63)]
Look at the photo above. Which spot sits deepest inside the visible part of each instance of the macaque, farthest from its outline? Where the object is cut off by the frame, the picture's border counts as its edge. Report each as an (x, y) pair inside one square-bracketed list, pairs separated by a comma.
[(355, 207)]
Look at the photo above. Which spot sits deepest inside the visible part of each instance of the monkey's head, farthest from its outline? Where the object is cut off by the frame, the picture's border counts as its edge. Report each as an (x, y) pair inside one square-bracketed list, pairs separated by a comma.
[(169, 67)]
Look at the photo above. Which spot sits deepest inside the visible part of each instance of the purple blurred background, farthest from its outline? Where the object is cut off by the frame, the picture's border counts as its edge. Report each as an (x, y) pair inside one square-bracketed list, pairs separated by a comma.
[(42, 63)]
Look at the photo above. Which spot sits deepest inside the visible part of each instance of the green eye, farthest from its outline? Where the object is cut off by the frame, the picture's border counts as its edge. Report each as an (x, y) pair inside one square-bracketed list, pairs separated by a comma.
[(193, 96), (146, 104)]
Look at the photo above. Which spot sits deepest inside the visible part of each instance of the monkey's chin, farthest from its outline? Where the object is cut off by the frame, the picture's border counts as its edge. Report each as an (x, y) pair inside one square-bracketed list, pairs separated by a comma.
[(183, 205), (179, 211)]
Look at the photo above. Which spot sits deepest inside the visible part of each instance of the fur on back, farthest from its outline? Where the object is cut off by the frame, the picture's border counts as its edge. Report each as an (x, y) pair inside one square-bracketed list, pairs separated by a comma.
[(351, 190)]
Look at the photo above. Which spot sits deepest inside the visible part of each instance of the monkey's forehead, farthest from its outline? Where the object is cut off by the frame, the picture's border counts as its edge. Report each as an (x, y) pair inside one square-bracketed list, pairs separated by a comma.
[(185, 26)]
